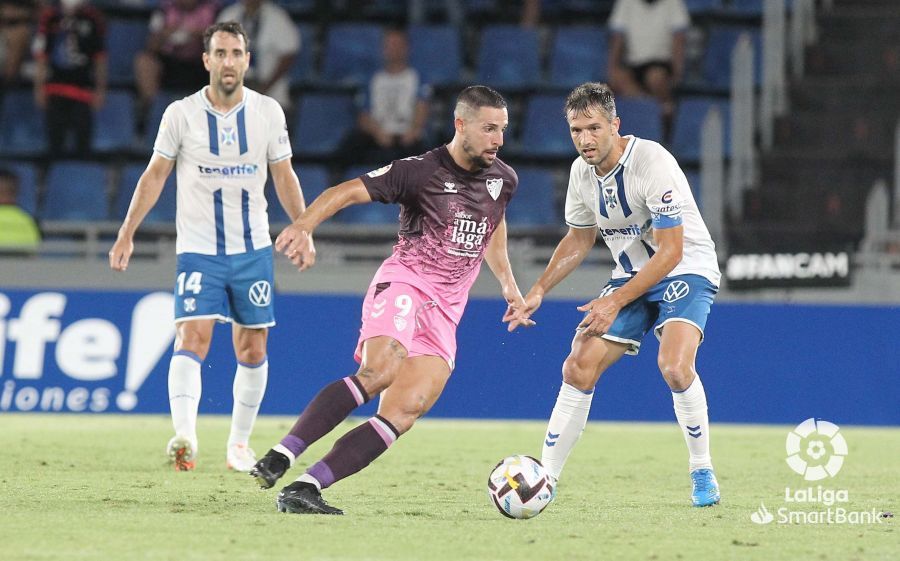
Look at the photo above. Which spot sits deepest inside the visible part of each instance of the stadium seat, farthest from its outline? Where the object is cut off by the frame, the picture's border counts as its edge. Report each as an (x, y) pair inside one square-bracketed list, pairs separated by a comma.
[(745, 7), (508, 57), (689, 122), (124, 39), (702, 6), (313, 179), (534, 203), (693, 178), (352, 53), (544, 130), (717, 60), (303, 70), (322, 122), (640, 117), (164, 209), (75, 191), (114, 124), (21, 125), (28, 188), (370, 213), (578, 55), (154, 116), (436, 52)]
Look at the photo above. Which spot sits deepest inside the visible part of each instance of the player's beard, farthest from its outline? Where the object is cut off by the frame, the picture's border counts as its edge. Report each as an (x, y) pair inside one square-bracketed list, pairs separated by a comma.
[(476, 158), (230, 89)]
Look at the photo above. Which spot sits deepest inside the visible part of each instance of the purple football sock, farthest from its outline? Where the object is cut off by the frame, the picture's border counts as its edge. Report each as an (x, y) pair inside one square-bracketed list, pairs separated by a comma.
[(331, 406), (354, 451)]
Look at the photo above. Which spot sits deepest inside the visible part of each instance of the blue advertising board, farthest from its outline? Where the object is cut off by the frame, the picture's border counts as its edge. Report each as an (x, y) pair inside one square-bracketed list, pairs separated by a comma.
[(102, 351)]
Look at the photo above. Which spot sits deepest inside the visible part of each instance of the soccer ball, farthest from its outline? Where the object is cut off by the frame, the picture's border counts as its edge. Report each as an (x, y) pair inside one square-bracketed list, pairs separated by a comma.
[(520, 487)]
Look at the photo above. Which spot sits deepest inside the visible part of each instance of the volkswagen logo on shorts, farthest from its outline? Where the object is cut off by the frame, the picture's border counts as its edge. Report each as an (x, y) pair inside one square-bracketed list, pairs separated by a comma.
[(676, 291), (261, 293)]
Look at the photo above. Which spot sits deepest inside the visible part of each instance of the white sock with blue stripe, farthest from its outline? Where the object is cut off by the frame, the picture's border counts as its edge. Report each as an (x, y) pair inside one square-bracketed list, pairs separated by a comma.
[(184, 393), (248, 390), (565, 427), (690, 410)]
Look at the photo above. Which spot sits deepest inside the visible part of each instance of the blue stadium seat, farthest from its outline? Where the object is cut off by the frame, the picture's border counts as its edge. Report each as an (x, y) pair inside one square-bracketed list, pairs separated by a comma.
[(155, 114), (544, 130), (436, 52), (579, 54), (688, 123), (164, 209), (745, 7), (322, 122), (124, 39), (352, 53), (303, 70), (508, 57), (28, 188), (717, 60), (313, 179), (114, 124), (641, 117), (370, 213), (21, 125), (75, 191), (702, 6), (534, 203), (693, 178)]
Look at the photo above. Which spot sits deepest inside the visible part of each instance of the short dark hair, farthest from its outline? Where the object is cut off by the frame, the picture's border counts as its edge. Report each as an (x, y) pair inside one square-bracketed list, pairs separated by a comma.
[(474, 98), (232, 27), (9, 181), (591, 94)]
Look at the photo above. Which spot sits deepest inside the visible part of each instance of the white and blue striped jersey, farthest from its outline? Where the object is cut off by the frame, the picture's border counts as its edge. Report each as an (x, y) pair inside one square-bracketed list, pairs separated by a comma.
[(221, 163), (645, 190)]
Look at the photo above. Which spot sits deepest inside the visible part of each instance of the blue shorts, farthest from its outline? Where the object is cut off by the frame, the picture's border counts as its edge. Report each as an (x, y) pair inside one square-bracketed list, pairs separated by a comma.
[(236, 288), (686, 298)]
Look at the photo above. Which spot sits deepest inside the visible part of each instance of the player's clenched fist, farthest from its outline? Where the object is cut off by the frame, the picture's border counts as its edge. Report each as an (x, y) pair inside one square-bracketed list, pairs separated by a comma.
[(297, 244), (120, 254)]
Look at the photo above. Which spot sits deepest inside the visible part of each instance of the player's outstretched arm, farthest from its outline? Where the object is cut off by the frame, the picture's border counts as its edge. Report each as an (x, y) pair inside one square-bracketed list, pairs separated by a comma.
[(567, 256), (293, 241), (146, 193), (497, 257)]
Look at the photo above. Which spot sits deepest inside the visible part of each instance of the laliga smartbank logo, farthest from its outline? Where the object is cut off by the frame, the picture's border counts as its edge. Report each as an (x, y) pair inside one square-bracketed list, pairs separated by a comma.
[(49, 351), (816, 450)]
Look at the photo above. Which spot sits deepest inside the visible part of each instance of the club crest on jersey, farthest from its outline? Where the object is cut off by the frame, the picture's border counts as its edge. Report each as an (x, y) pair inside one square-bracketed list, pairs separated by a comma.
[(494, 185), (190, 305), (228, 136), (609, 197)]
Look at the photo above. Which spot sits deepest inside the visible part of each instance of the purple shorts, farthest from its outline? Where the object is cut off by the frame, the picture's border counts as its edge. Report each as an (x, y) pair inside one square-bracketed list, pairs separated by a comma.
[(406, 314)]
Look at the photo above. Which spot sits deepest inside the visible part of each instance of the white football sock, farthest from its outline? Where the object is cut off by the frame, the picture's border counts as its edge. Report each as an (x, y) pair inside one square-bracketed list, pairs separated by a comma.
[(565, 427), (307, 478), (690, 410), (249, 388), (184, 393)]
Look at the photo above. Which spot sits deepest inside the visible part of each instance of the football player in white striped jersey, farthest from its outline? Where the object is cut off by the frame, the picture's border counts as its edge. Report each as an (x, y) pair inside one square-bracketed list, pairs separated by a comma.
[(633, 193), (222, 141)]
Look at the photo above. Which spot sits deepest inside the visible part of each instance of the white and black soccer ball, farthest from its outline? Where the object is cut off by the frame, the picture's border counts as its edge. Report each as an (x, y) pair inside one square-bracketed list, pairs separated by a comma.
[(520, 487)]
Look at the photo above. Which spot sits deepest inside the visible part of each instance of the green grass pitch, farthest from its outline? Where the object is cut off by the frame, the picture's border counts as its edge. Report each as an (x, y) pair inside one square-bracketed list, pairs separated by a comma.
[(86, 488)]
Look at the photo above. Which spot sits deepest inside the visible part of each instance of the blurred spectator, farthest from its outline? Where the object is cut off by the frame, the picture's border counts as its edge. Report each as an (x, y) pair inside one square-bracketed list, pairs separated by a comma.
[(391, 122), (18, 232), (70, 73), (173, 58), (17, 18), (647, 49), (274, 43)]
